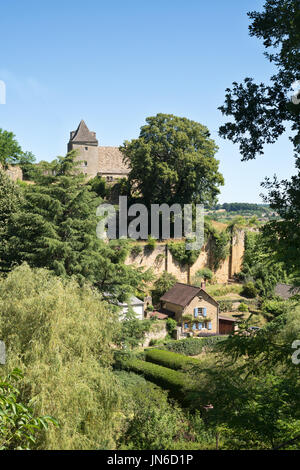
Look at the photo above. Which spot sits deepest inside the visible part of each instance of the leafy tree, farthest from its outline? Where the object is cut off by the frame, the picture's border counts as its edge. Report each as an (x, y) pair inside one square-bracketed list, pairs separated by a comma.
[(260, 113), (56, 229), (61, 334), (254, 387), (99, 186), (249, 290), (10, 201), (162, 285), (19, 426), (132, 331), (173, 161), (12, 153), (260, 266)]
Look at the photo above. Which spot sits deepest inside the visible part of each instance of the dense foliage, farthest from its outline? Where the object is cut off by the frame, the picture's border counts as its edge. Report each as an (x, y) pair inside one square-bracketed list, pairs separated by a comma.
[(60, 334), (18, 424), (162, 285), (260, 267), (55, 227), (169, 359), (260, 114), (173, 161), (193, 346)]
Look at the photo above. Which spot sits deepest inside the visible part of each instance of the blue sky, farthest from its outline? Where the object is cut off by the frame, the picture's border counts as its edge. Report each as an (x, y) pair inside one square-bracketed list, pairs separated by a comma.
[(115, 62)]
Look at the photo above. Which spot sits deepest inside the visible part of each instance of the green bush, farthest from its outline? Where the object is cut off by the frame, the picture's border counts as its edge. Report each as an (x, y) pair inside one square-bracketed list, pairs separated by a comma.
[(249, 290), (151, 244), (171, 325), (225, 305), (169, 359), (243, 307), (136, 250), (166, 378), (162, 285), (193, 346)]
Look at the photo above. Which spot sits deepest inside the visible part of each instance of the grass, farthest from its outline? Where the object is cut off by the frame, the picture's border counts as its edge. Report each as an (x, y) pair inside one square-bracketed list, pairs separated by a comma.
[(217, 290)]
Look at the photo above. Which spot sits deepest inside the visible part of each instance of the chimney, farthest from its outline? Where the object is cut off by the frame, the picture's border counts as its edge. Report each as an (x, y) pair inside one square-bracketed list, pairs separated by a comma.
[(203, 285)]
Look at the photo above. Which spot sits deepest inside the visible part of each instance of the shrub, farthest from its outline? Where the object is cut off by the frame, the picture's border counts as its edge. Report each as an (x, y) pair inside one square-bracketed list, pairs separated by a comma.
[(225, 305), (249, 290), (151, 243), (205, 274), (136, 250), (169, 359), (166, 378), (182, 255), (153, 422), (193, 346), (171, 325), (243, 307)]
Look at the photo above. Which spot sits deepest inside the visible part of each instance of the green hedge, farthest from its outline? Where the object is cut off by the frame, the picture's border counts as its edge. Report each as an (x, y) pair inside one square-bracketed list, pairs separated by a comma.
[(192, 346), (169, 379), (169, 359)]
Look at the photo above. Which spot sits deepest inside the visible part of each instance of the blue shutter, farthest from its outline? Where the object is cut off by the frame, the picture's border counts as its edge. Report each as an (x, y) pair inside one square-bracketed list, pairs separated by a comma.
[(209, 326), (204, 311), (186, 326), (195, 312), (194, 326), (199, 326)]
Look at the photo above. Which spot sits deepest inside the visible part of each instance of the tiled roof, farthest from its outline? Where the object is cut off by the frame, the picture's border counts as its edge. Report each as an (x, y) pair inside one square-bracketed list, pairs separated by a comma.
[(180, 294), (159, 315), (83, 135)]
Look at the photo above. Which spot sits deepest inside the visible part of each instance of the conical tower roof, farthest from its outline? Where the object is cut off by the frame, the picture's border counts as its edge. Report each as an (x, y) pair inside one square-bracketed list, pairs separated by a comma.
[(83, 135)]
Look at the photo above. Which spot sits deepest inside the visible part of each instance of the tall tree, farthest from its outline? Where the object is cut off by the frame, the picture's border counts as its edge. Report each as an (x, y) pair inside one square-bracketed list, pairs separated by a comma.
[(56, 229), (173, 161), (260, 113), (12, 153)]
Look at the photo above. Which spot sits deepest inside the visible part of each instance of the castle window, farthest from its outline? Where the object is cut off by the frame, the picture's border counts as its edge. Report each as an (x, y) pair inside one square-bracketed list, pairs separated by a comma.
[(85, 163), (86, 148)]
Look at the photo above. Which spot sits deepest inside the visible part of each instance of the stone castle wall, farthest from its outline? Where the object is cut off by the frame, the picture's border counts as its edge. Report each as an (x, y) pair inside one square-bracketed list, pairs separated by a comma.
[(14, 172), (160, 259)]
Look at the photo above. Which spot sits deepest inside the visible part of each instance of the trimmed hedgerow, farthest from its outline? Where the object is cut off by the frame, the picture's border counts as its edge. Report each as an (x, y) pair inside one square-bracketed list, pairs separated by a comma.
[(168, 379), (192, 346), (169, 359)]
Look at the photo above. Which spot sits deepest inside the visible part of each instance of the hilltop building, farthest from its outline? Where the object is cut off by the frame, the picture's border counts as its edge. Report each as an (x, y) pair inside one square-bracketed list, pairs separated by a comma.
[(96, 160)]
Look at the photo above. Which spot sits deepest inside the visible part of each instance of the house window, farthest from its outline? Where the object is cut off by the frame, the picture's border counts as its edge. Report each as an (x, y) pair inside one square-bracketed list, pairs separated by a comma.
[(109, 178), (186, 326), (210, 326), (194, 326), (86, 148), (202, 311), (200, 326), (85, 163)]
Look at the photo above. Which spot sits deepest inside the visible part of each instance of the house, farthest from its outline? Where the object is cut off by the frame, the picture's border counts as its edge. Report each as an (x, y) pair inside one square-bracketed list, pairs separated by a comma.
[(195, 311), (137, 306)]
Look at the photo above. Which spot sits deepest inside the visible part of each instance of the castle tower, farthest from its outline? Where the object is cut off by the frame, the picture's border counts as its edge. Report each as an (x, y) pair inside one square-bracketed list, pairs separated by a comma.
[(86, 144), (107, 162)]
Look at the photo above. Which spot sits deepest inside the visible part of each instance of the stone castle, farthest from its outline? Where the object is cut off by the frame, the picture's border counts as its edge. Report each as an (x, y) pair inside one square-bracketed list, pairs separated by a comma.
[(96, 160)]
